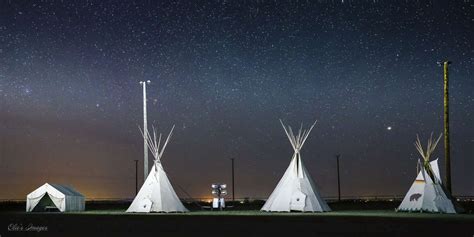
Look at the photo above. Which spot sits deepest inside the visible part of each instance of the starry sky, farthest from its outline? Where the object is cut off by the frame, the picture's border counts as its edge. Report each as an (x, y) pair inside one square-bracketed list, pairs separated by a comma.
[(224, 72)]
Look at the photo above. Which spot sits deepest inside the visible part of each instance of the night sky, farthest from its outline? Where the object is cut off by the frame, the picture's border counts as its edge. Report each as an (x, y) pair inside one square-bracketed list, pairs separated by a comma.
[(224, 72)]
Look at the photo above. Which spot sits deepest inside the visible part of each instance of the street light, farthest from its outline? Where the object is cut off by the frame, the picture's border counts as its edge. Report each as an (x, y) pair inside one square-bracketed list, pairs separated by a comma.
[(145, 131)]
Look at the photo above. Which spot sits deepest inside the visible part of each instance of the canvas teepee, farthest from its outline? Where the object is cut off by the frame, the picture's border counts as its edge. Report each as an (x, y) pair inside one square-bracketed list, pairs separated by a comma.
[(427, 194), (296, 191), (157, 194)]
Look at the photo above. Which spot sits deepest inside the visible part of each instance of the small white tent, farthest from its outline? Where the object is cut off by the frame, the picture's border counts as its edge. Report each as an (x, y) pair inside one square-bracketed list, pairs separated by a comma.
[(51, 196), (157, 194), (427, 194), (296, 191)]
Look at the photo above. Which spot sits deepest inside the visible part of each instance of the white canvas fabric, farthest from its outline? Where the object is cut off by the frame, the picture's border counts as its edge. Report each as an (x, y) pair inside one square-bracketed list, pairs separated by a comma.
[(63, 197), (156, 193), (427, 195), (296, 191)]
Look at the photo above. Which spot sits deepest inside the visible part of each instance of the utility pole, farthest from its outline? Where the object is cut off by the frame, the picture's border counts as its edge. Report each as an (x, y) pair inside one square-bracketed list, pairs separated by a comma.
[(136, 177), (338, 179), (233, 184), (447, 145), (145, 132)]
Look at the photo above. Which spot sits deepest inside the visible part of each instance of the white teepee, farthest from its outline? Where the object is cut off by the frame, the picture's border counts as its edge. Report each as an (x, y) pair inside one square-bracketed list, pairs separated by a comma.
[(296, 191), (427, 194), (157, 194)]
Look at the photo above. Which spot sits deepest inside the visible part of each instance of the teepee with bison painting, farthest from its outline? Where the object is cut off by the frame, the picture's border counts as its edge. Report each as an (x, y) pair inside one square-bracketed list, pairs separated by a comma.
[(427, 193)]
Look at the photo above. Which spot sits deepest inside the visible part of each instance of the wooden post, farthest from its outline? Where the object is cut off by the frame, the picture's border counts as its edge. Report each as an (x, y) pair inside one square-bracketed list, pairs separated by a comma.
[(447, 147), (338, 179), (136, 177), (233, 184)]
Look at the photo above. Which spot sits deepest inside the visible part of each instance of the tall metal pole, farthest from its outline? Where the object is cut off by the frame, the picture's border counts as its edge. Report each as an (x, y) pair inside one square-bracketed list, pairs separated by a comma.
[(338, 179), (233, 184), (446, 127), (136, 177), (145, 132)]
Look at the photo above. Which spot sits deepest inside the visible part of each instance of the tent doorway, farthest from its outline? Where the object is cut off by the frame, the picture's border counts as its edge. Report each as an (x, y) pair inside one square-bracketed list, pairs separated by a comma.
[(46, 205)]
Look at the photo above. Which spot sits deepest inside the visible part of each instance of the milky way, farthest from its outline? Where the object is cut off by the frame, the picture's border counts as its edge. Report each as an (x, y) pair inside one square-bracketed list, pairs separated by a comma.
[(224, 72)]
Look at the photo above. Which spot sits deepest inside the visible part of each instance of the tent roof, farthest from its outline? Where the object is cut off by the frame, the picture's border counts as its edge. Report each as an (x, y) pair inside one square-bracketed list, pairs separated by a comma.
[(66, 190)]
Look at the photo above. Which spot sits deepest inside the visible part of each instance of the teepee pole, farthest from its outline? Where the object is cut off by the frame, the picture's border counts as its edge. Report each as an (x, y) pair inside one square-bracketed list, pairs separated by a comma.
[(447, 145), (426, 154), (288, 135), (307, 134), (166, 143)]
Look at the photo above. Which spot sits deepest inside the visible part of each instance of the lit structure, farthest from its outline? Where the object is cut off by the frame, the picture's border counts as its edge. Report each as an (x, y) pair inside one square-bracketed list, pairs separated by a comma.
[(219, 191)]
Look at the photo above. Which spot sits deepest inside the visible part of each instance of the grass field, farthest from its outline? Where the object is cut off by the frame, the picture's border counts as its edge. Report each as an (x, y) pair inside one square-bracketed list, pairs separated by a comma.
[(352, 213), (113, 221)]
